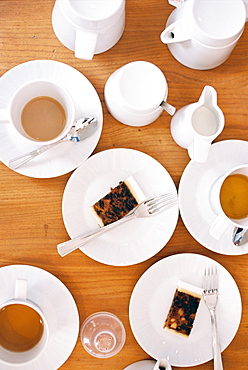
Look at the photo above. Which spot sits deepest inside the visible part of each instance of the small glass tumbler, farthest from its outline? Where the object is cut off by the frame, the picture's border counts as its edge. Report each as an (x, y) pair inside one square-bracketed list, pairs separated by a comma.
[(102, 334)]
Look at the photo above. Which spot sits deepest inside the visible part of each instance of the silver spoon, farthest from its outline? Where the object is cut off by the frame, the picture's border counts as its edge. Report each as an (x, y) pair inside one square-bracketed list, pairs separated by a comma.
[(168, 108), (239, 236), (81, 129)]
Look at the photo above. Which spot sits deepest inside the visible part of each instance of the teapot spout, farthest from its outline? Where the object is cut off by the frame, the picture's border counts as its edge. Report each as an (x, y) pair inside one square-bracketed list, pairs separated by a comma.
[(175, 32)]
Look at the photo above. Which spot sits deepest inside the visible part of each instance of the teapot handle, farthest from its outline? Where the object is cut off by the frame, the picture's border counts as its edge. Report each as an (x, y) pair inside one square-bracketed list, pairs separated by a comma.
[(175, 32), (85, 44), (246, 7)]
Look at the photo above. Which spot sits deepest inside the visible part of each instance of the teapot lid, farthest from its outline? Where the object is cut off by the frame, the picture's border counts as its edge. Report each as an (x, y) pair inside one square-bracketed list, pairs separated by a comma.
[(215, 22)]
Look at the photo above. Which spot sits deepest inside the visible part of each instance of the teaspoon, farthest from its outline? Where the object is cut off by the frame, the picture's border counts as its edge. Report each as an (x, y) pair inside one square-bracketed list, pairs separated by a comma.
[(168, 108), (239, 236), (81, 129)]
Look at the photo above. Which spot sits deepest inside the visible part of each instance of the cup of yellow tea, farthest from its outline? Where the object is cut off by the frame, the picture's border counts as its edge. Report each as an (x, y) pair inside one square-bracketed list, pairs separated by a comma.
[(229, 198), (23, 328), (40, 111)]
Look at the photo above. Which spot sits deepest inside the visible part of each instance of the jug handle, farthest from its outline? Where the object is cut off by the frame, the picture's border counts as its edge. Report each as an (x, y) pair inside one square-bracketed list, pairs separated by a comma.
[(85, 44), (199, 149), (175, 32)]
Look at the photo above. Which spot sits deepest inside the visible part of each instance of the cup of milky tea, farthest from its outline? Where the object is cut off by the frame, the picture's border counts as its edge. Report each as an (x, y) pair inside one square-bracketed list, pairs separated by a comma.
[(23, 328), (229, 199), (40, 111)]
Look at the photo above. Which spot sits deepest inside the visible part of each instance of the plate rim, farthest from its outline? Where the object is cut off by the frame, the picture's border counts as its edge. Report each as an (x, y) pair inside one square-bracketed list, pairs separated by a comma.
[(137, 294), (67, 199)]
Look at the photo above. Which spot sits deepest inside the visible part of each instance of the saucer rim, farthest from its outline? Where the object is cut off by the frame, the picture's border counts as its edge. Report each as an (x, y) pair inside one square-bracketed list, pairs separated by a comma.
[(187, 191), (68, 156), (141, 365), (13, 271)]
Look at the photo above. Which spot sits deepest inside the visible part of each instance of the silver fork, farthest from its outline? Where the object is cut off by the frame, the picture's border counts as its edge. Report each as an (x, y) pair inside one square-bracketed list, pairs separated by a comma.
[(146, 208), (210, 295)]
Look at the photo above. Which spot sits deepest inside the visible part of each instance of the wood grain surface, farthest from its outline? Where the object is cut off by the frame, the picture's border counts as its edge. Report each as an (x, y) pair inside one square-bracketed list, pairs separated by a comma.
[(30, 209)]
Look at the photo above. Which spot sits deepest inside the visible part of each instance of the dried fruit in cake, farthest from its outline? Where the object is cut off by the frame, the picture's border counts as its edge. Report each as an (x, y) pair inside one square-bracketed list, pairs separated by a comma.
[(183, 309), (118, 202)]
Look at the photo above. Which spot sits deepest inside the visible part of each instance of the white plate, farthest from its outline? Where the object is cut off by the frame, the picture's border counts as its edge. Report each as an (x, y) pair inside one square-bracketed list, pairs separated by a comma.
[(151, 300), (64, 157), (59, 307), (135, 241), (194, 188), (142, 365)]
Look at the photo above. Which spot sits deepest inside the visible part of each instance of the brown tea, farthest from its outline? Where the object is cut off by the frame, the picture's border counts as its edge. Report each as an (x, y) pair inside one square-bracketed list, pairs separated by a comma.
[(234, 196), (21, 327), (43, 118)]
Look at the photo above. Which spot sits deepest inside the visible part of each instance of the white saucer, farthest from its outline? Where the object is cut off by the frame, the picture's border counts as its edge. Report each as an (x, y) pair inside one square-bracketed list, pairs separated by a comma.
[(151, 299), (66, 156), (141, 365), (194, 188), (135, 241), (59, 307)]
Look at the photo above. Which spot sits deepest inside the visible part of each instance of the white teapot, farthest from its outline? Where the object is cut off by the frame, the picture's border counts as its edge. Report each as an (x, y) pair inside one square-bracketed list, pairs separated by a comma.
[(201, 34)]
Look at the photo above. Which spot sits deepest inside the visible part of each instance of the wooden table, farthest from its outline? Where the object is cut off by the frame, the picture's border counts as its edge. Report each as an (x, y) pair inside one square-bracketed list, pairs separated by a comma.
[(30, 213)]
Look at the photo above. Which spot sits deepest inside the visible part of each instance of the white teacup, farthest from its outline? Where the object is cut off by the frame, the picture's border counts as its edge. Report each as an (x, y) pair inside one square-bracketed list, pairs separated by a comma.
[(88, 27), (24, 329), (134, 93), (222, 220), (34, 90)]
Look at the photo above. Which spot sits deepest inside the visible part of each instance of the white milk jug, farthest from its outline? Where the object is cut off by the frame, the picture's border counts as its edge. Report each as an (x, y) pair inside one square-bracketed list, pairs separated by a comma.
[(201, 34), (196, 125)]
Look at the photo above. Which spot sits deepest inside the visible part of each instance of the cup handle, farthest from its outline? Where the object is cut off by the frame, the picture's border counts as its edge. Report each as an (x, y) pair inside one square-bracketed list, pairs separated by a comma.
[(219, 226), (199, 150), (85, 44), (175, 32), (4, 116), (21, 287)]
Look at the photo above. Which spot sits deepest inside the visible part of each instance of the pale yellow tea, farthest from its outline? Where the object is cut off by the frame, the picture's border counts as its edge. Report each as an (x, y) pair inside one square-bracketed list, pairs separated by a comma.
[(234, 196), (43, 118), (21, 327)]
